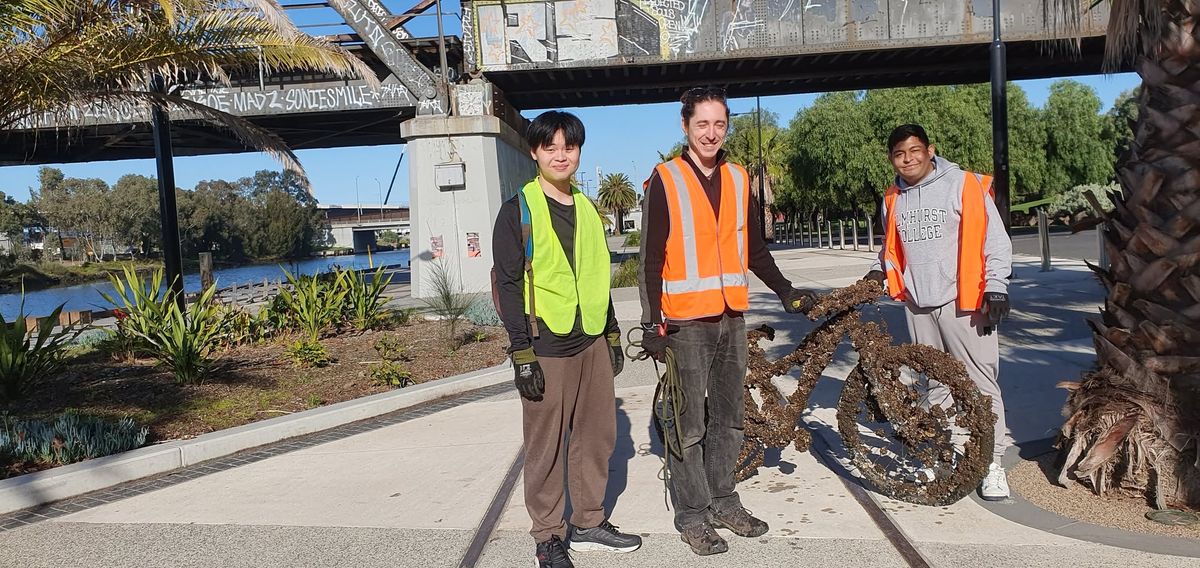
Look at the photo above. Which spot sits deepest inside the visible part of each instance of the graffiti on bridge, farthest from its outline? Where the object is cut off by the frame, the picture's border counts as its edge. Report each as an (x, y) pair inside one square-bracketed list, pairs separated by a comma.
[(499, 34)]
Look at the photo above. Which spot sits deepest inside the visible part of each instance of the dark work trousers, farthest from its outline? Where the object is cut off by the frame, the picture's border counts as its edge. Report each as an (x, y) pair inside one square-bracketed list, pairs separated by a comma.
[(711, 358), (580, 400)]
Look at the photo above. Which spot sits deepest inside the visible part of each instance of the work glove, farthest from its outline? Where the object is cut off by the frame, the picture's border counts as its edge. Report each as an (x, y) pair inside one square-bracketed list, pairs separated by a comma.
[(798, 300), (527, 375), (876, 275), (995, 307), (654, 340), (615, 355)]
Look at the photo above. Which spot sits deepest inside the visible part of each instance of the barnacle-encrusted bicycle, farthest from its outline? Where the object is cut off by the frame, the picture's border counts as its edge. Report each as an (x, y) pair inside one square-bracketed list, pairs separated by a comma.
[(906, 448)]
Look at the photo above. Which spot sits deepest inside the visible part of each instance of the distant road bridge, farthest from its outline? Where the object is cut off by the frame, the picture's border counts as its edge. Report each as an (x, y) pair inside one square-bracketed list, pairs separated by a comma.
[(358, 226)]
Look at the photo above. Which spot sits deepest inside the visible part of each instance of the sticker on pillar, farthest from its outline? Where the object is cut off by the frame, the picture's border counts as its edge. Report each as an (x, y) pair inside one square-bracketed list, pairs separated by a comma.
[(473, 250), (436, 246)]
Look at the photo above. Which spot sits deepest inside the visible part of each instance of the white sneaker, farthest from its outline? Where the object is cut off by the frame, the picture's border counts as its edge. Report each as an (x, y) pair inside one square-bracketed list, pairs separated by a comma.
[(995, 485)]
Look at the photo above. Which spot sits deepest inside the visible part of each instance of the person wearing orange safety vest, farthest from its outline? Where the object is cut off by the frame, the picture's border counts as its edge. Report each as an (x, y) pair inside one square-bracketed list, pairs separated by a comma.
[(701, 239), (947, 256)]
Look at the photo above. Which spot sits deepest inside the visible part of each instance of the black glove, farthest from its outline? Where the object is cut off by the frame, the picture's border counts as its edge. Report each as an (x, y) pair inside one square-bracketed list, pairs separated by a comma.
[(995, 306), (876, 275), (654, 340), (615, 355), (527, 375), (798, 300)]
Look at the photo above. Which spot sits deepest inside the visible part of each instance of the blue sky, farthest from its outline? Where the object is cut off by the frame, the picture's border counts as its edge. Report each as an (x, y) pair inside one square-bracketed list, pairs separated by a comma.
[(350, 175)]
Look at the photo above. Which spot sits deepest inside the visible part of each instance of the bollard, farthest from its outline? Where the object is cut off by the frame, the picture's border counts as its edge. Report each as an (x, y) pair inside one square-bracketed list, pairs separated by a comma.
[(829, 231), (842, 233), (820, 237), (1103, 258), (855, 232), (1044, 237), (870, 235), (206, 270)]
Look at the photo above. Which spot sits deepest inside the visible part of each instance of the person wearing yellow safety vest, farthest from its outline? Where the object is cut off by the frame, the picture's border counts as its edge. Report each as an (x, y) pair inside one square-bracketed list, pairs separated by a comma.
[(551, 273), (947, 257), (700, 240)]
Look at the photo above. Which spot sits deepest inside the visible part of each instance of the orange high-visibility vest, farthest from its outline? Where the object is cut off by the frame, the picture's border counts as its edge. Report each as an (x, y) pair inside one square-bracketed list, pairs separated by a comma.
[(706, 265), (972, 231)]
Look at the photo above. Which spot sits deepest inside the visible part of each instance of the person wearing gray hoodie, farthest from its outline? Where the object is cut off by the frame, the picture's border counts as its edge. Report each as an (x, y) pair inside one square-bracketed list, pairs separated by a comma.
[(947, 256)]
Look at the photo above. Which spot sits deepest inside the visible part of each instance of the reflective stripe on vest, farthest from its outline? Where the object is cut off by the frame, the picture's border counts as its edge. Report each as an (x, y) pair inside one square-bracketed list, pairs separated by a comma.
[(560, 291), (972, 234), (705, 268)]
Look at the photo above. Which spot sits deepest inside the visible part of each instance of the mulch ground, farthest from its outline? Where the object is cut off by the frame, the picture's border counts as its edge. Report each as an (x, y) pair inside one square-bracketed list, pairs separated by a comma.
[(253, 382), (1035, 480)]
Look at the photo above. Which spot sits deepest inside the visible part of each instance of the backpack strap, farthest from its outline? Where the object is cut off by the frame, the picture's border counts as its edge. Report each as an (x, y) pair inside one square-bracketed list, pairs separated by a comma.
[(527, 241)]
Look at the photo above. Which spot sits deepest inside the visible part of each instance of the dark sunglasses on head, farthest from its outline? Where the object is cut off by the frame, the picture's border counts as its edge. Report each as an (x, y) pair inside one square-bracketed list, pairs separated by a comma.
[(703, 93)]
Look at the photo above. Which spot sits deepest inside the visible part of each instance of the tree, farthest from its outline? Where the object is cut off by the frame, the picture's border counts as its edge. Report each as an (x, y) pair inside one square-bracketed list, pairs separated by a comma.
[(674, 152), (1118, 124), (76, 207), (134, 200), (1027, 148), (1076, 151), (63, 53), (838, 166), (618, 196), (742, 147), (1135, 420)]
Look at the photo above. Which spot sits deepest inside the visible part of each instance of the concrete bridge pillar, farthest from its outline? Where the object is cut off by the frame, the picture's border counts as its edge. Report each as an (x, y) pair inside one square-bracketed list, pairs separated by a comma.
[(461, 169)]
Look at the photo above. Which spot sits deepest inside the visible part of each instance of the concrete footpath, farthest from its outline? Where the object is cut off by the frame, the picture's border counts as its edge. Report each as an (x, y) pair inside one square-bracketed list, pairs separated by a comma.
[(414, 493)]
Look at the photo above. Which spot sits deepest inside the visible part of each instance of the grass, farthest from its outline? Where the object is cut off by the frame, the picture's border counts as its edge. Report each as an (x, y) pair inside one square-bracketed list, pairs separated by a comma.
[(45, 273)]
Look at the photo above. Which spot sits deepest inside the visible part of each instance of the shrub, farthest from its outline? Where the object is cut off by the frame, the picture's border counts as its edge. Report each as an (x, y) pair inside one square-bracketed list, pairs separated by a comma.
[(141, 305), (390, 348), (399, 317), (633, 239), (364, 298), (1072, 201), (27, 355), (626, 274), (189, 337), (312, 306), (308, 353), (446, 300), (70, 438), (483, 313), (391, 374), (240, 327)]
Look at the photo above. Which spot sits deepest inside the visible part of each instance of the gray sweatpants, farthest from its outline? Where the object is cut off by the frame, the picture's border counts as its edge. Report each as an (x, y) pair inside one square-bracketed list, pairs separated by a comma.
[(961, 335)]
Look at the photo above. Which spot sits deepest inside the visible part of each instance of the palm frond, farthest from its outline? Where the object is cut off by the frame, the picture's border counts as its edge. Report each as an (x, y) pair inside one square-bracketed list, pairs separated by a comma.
[(1133, 26)]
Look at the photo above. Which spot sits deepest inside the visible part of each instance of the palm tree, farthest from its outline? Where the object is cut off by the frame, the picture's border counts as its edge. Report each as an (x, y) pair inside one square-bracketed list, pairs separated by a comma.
[(55, 54), (617, 195), (1134, 422)]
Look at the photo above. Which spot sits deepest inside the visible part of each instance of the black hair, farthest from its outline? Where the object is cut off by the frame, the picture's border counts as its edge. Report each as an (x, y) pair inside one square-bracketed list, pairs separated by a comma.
[(543, 128), (906, 131), (697, 95)]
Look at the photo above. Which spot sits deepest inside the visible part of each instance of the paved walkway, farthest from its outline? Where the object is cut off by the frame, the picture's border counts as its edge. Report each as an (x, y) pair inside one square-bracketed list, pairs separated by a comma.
[(413, 492)]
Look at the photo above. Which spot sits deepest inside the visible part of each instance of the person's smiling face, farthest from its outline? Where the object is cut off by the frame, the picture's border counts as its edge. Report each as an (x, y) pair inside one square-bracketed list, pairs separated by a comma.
[(912, 159), (558, 161)]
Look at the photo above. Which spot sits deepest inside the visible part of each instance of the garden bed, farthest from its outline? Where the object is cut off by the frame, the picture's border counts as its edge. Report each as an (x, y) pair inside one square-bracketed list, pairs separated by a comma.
[(252, 383)]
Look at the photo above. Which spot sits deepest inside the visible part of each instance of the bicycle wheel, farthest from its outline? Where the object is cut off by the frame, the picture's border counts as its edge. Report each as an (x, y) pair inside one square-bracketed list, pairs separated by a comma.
[(907, 448)]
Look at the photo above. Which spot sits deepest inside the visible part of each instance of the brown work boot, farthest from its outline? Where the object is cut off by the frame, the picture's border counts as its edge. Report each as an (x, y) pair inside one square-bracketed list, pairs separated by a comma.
[(703, 539), (740, 521)]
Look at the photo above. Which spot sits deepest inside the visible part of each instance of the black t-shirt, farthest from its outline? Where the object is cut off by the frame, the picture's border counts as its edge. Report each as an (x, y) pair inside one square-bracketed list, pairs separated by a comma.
[(509, 259)]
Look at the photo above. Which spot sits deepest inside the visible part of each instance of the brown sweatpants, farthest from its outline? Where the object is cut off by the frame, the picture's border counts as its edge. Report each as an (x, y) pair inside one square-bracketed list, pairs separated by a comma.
[(580, 401)]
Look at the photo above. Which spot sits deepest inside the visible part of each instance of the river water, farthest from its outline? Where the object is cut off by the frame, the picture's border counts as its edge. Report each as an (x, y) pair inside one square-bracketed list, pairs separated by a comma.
[(87, 296)]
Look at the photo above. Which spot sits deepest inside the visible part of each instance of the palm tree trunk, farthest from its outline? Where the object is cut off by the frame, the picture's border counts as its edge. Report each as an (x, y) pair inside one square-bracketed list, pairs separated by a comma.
[(1135, 422)]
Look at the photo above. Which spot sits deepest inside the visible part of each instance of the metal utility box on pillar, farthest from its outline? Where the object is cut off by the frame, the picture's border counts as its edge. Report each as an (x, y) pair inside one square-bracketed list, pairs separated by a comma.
[(461, 170)]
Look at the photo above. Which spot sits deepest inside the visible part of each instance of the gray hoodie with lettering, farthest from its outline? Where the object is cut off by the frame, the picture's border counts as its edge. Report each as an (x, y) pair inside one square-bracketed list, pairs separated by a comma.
[(928, 215)]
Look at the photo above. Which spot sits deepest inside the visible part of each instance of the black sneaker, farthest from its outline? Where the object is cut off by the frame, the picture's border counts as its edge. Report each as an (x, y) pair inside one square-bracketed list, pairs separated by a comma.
[(552, 554), (606, 538)]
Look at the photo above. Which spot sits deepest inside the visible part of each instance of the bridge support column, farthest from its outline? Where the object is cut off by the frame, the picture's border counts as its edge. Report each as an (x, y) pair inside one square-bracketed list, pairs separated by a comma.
[(452, 215)]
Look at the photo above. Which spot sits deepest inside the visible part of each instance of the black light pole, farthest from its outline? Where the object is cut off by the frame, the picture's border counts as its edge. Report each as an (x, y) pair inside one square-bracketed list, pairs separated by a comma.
[(168, 213), (762, 172), (999, 118)]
